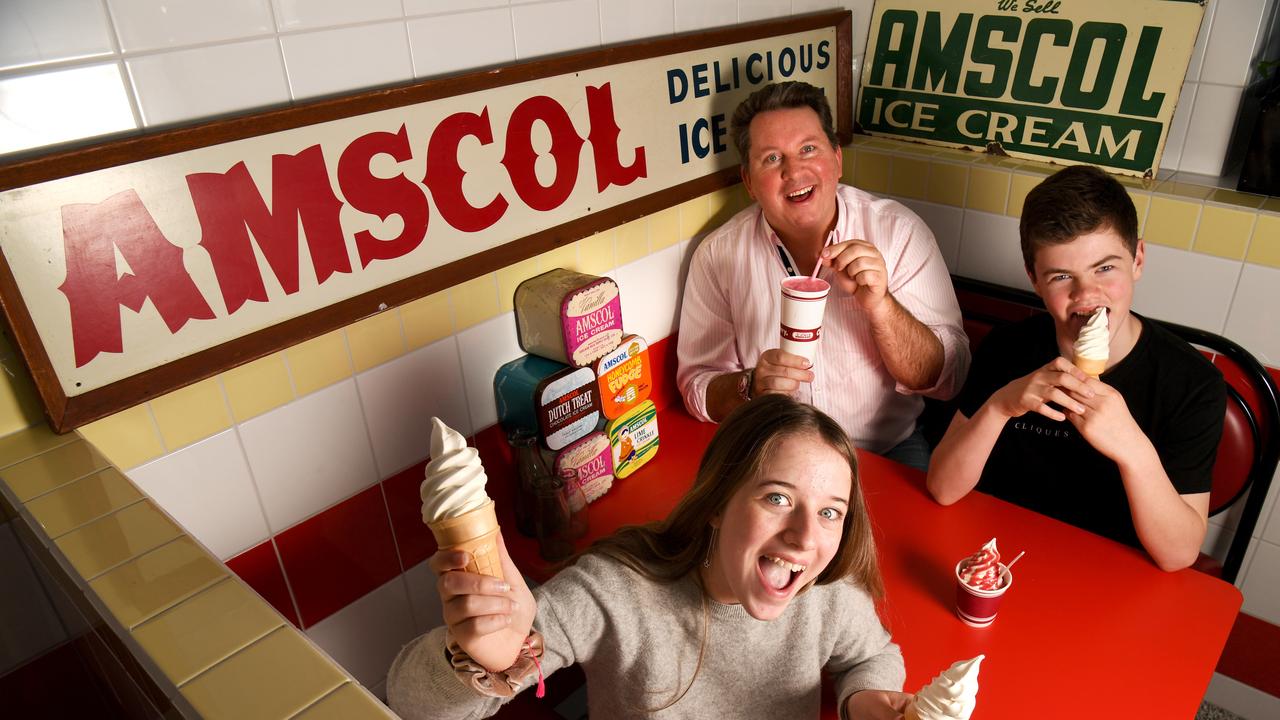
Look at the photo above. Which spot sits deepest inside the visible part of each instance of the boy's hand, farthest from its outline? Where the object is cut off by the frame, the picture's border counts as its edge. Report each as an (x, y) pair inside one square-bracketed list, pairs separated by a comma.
[(1105, 421), (1059, 382), (488, 617)]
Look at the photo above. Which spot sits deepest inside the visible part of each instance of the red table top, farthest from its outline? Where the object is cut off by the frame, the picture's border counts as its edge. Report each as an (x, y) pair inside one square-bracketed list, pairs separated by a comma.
[(1090, 627)]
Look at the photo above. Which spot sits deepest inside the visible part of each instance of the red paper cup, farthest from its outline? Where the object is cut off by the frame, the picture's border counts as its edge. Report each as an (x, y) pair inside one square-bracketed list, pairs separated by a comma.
[(978, 607)]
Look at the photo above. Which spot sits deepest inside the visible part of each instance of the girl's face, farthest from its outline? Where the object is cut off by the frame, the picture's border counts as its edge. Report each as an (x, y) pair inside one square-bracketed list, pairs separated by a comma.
[(780, 529)]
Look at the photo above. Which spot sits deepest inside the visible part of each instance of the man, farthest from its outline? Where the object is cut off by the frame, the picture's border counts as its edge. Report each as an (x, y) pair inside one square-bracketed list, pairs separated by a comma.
[(892, 330), (1128, 455)]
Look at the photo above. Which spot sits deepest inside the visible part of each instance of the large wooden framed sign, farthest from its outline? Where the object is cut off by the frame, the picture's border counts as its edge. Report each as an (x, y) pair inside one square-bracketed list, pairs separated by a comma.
[(134, 267), (1070, 81)]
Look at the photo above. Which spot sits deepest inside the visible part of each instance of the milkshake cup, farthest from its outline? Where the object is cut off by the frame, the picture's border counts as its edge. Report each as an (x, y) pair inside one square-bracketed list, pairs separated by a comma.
[(977, 607), (803, 302)]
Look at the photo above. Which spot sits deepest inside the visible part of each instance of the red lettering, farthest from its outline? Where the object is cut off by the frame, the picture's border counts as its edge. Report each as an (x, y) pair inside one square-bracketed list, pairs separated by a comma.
[(95, 289), (604, 142), (520, 156), (444, 174), (383, 197), (229, 207)]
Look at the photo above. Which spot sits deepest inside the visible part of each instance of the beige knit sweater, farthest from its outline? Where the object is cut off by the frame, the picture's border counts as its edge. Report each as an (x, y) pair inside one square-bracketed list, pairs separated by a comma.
[(637, 641)]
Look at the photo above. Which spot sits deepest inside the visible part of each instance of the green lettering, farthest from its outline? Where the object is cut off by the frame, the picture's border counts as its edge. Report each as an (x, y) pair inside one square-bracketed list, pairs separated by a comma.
[(1073, 93), (899, 57), (938, 63), (1133, 103), (1023, 90), (999, 59)]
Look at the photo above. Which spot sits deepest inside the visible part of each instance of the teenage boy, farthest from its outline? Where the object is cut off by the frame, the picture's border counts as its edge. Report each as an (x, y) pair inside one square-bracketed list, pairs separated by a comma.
[(1128, 455)]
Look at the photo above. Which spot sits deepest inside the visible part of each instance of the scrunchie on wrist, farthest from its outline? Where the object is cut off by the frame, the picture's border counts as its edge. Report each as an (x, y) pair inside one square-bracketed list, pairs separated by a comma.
[(501, 684)]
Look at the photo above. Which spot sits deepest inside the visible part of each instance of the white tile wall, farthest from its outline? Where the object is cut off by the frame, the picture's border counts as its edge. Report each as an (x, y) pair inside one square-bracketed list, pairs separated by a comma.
[(309, 454), (946, 223), (207, 488), (1240, 699), (446, 43), (700, 14), (650, 290), (989, 250), (147, 24), (62, 105), (331, 61), (1162, 290), (424, 599), (434, 7), (1212, 118), (1249, 323), (34, 31), (1261, 586), (1177, 136), (484, 348), (1234, 36), (1269, 519), (751, 10), (365, 636), (544, 29), (303, 14), (207, 81), (1202, 42), (399, 398), (622, 20), (800, 7)]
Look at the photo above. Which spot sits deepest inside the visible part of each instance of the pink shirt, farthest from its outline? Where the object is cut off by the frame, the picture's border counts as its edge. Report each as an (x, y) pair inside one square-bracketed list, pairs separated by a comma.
[(731, 314)]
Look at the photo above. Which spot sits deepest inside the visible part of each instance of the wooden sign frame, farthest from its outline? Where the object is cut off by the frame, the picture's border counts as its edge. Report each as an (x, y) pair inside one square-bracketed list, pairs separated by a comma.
[(66, 412)]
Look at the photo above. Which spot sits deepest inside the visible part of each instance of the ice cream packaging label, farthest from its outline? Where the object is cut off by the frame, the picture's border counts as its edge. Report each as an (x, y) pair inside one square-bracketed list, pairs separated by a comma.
[(591, 459), (625, 376), (568, 406), (516, 393), (568, 316), (633, 438)]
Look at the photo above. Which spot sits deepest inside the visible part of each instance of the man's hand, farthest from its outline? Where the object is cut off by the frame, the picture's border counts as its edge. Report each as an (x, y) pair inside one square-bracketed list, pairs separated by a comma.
[(859, 271), (1058, 382), (876, 705), (488, 617), (780, 372), (1104, 420)]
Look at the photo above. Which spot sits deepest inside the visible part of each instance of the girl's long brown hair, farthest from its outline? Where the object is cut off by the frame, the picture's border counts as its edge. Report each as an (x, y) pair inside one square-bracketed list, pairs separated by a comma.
[(670, 549)]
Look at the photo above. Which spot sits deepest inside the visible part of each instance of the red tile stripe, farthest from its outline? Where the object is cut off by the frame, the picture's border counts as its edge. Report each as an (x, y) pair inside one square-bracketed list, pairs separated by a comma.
[(1252, 654)]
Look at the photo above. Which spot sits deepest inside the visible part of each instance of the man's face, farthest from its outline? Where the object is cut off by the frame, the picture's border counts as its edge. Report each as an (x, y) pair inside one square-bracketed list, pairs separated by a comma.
[(792, 172), (1077, 277)]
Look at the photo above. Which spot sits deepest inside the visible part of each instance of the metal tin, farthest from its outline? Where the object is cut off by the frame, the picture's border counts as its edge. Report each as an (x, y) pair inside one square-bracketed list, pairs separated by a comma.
[(592, 460), (633, 438), (568, 316), (625, 376), (568, 406), (515, 391)]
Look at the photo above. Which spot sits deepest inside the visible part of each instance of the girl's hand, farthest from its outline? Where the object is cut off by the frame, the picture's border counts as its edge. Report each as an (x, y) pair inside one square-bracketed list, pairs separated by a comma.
[(489, 618), (876, 705)]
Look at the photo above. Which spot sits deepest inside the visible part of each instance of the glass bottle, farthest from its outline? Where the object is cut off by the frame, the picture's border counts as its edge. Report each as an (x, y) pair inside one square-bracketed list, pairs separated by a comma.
[(551, 518), (576, 500), (531, 471)]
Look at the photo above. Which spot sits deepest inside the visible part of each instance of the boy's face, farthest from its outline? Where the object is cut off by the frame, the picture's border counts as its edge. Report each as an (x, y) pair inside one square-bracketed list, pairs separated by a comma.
[(1077, 277)]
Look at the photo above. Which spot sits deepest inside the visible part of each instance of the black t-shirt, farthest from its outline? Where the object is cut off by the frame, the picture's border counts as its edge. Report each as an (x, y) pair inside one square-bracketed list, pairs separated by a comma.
[(1175, 395)]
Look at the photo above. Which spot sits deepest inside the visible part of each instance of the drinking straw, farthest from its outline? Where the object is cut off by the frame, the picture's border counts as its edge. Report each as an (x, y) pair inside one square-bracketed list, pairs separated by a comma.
[(1011, 562)]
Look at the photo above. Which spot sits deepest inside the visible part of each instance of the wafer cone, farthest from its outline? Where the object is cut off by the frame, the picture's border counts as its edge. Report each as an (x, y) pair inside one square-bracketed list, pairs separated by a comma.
[(910, 713), (1092, 367), (477, 533)]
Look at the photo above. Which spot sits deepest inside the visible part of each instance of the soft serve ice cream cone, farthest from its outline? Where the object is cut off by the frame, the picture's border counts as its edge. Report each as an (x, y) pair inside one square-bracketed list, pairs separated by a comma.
[(1093, 345), (454, 502), (951, 696)]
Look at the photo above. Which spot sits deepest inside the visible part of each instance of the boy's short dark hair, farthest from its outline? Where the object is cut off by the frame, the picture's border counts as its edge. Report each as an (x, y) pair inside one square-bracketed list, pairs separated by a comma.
[(1075, 201), (778, 96)]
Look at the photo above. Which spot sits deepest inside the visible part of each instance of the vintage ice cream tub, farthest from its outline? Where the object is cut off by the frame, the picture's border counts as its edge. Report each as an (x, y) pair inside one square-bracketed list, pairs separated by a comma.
[(592, 460), (633, 438), (515, 391), (568, 316), (568, 406), (625, 376)]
